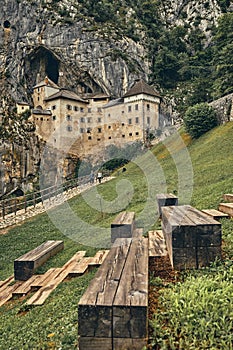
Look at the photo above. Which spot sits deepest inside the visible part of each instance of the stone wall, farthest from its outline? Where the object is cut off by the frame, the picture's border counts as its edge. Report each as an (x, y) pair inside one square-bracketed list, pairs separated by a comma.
[(224, 108)]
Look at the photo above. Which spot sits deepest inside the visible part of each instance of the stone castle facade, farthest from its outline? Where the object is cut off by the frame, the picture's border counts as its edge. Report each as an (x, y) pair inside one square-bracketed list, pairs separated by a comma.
[(83, 125)]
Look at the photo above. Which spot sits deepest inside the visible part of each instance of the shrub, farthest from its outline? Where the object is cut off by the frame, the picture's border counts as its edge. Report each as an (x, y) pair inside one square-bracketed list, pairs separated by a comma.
[(199, 119)]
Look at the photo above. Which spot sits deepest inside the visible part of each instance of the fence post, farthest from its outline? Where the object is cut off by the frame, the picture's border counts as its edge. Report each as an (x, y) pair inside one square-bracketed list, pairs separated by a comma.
[(25, 203), (3, 209), (15, 206)]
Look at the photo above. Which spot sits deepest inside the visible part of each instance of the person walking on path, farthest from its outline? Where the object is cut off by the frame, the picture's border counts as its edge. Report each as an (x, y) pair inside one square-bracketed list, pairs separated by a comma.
[(99, 176)]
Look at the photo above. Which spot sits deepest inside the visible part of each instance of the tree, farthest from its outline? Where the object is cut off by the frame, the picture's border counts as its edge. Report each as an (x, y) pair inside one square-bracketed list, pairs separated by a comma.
[(199, 119)]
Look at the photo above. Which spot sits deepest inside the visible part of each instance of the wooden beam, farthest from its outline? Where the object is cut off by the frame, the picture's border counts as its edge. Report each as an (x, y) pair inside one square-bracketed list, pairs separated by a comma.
[(215, 214), (157, 243), (226, 208), (26, 265), (59, 275), (228, 197), (123, 226), (95, 306), (130, 305)]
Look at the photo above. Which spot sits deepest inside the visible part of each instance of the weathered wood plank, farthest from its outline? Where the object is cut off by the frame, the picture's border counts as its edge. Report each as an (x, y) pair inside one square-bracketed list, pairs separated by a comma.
[(129, 343), (157, 244), (130, 304), (228, 197), (165, 199), (138, 232), (59, 275), (94, 343), (187, 229), (216, 214), (81, 267), (99, 258), (25, 287), (6, 281), (6, 295), (25, 265), (123, 226), (42, 280), (95, 306), (226, 208)]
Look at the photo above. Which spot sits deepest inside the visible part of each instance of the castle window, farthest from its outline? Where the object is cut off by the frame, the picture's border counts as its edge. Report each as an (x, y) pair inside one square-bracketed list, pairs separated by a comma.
[(38, 90), (130, 121), (41, 118), (137, 133), (38, 98), (89, 137), (130, 134), (110, 137), (81, 109), (109, 115), (98, 139), (82, 130), (122, 124), (54, 117), (136, 120), (88, 130), (122, 112), (123, 136), (68, 117), (53, 107), (148, 107), (99, 130), (129, 108), (148, 120), (69, 107), (89, 120), (89, 110), (99, 109), (109, 127), (75, 108), (82, 120), (99, 120), (136, 107), (69, 128)]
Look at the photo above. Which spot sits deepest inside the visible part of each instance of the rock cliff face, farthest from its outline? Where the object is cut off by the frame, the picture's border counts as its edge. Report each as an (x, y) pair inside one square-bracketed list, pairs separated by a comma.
[(36, 41), (48, 37), (51, 37)]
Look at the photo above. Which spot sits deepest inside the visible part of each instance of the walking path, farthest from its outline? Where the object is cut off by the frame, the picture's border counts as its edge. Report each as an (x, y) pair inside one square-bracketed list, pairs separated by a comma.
[(21, 215)]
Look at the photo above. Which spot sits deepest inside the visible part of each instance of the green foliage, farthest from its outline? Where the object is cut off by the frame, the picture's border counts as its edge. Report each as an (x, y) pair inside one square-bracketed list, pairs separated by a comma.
[(222, 60), (196, 314), (188, 313), (199, 119)]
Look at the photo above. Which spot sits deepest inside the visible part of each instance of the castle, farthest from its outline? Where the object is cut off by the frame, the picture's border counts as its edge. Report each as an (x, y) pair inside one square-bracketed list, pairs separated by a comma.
[(80, 125)]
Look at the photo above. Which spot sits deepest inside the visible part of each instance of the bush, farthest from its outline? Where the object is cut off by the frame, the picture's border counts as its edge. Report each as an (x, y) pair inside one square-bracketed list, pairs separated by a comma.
[(199, 119)]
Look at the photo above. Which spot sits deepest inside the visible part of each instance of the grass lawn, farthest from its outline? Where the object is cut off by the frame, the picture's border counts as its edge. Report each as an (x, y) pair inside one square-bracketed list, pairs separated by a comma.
[(193, 314)]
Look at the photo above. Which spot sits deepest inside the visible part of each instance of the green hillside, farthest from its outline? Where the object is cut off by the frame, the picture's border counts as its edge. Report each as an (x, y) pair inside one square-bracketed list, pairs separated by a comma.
[(192, 314)]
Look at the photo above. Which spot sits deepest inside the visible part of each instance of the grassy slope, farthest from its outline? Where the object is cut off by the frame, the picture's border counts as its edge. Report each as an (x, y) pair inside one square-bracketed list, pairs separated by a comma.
[(54, 324)]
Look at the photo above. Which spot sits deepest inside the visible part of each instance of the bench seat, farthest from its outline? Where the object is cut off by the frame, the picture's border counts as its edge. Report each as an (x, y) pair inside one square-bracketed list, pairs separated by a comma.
[(26, 265)]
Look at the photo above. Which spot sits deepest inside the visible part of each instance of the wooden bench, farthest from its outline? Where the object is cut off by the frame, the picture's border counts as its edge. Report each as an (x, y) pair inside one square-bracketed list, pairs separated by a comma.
[(112, 313), (123, 226), (228, 197), (216, 214), (193, 238), (226, 208), (165, 199), (25, 266)]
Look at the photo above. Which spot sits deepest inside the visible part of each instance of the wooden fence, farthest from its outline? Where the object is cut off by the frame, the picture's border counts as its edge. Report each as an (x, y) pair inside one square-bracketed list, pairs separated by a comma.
[(14, 204)]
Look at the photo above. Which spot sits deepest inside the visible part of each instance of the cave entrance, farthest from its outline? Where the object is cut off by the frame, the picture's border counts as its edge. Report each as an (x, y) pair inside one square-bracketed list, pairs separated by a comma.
[(44, 63), (52, 67), (6, 24)]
